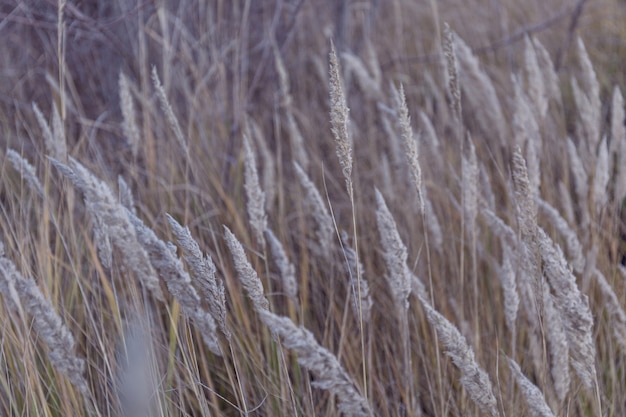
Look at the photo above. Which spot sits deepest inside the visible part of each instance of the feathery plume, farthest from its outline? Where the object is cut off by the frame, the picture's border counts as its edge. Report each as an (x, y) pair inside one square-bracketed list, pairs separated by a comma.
[(550, 77), (574, 248), (126, 195), (480, 92), (469, 172), (112, 223), (328, 372), (254, 194), (591, 108), (536, 86), (557, 344), (395, 256), (54, 138), (171, 270), (618, 144), (339, 119), (46, 322), (169, 113), (246, 273), (509, 286), (601, 177), (26, 170), (59, 147), (534, 398), (286, 268), (573, 307), (128, 113), (473, 377), (410, 144), (614, 308), (324, 222), (454, 89), (580, 176), (361, 299), (202, 270), (369, 79), (526, 207)]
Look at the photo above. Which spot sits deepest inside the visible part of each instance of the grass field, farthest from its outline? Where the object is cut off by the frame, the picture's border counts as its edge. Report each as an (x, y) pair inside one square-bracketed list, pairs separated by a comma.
[(312, 208)]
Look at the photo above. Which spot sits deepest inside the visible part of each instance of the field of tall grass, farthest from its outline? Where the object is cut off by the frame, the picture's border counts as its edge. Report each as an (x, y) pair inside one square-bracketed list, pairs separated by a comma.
[(312, 208)]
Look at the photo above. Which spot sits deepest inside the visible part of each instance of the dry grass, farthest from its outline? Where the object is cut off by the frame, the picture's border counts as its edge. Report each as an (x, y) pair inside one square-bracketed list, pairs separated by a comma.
[(367, 203)]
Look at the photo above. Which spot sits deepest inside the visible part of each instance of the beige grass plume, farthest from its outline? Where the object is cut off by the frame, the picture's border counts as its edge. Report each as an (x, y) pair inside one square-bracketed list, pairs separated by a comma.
[(410, 144), (395, 256), (473, 377), (286, 268), (325, 228), (255, 196), (246, 273), (203, 271), (171, 270), (128, 113), (339, 119), (361, 298), (113, 221), (328, 372), (169, 112), (46, 322), (533, 396), (573, 307), (26, 170)]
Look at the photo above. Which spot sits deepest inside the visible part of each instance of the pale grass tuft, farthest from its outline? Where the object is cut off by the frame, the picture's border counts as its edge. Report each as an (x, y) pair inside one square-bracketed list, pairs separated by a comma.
[(567, 205), (170, 269), (325, 228), (255, 133), (246, 273), (473, 377), (395, 256), (126, 195), (550, 77), (26, 170), (128, 113), (48, 325), (169, 112), (112, 224), (369, 79), (509, 286), (574, 248), (328, 372), (526, 207), (434, 227), (533, 396), (203, 272), (361, 298), (536, 81), (573, 307), (589, 109), (469, 173), (618, 145), (54, 138), (557, 344), (580, 178), (601, 177), (614, 308), (410, 144), (454, 89), (254, 194), (286, 268), (339, 119), (480, 93)]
